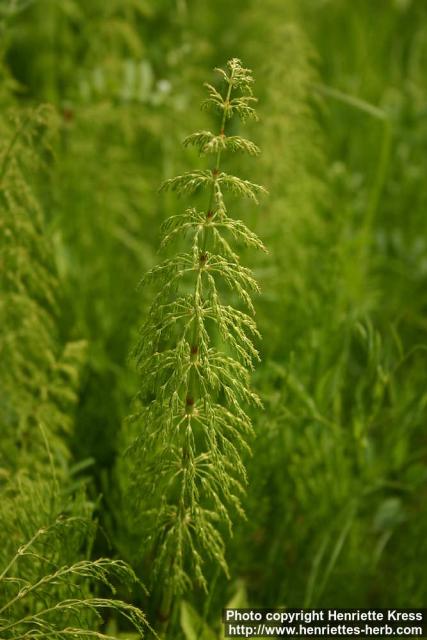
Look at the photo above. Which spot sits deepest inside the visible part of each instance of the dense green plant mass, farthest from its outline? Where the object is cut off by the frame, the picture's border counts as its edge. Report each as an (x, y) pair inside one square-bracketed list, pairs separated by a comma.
[(95, 100), (44, 582), (194, 355), (46, 576), (38, 375)]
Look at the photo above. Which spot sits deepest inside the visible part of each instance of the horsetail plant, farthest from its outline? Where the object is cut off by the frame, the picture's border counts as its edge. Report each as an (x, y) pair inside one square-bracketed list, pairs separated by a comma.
[(195, 354)]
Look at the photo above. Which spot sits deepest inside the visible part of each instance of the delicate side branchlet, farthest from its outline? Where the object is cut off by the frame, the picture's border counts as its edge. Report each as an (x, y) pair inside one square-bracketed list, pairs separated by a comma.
[(44, 596), (195, 355)]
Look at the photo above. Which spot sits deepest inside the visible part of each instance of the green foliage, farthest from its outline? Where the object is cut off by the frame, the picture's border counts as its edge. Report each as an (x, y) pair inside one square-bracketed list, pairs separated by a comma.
[(194, 355), (38, 376), (338, 369), (95, 98), (46, 588), (45, 592)]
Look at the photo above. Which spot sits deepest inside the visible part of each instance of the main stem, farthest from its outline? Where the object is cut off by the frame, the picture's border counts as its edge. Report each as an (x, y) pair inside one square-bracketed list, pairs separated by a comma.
[(210, 215), (190, 397)]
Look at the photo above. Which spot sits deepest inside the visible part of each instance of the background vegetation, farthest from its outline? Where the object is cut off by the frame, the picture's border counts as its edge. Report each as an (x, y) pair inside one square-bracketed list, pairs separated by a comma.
[(96, 98)]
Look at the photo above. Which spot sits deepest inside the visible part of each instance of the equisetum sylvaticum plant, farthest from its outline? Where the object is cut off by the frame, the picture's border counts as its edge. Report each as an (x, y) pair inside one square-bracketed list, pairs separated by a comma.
[(195, 355)]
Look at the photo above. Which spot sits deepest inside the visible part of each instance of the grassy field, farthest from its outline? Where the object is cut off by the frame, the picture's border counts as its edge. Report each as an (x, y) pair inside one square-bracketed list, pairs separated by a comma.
[(199, 423)]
